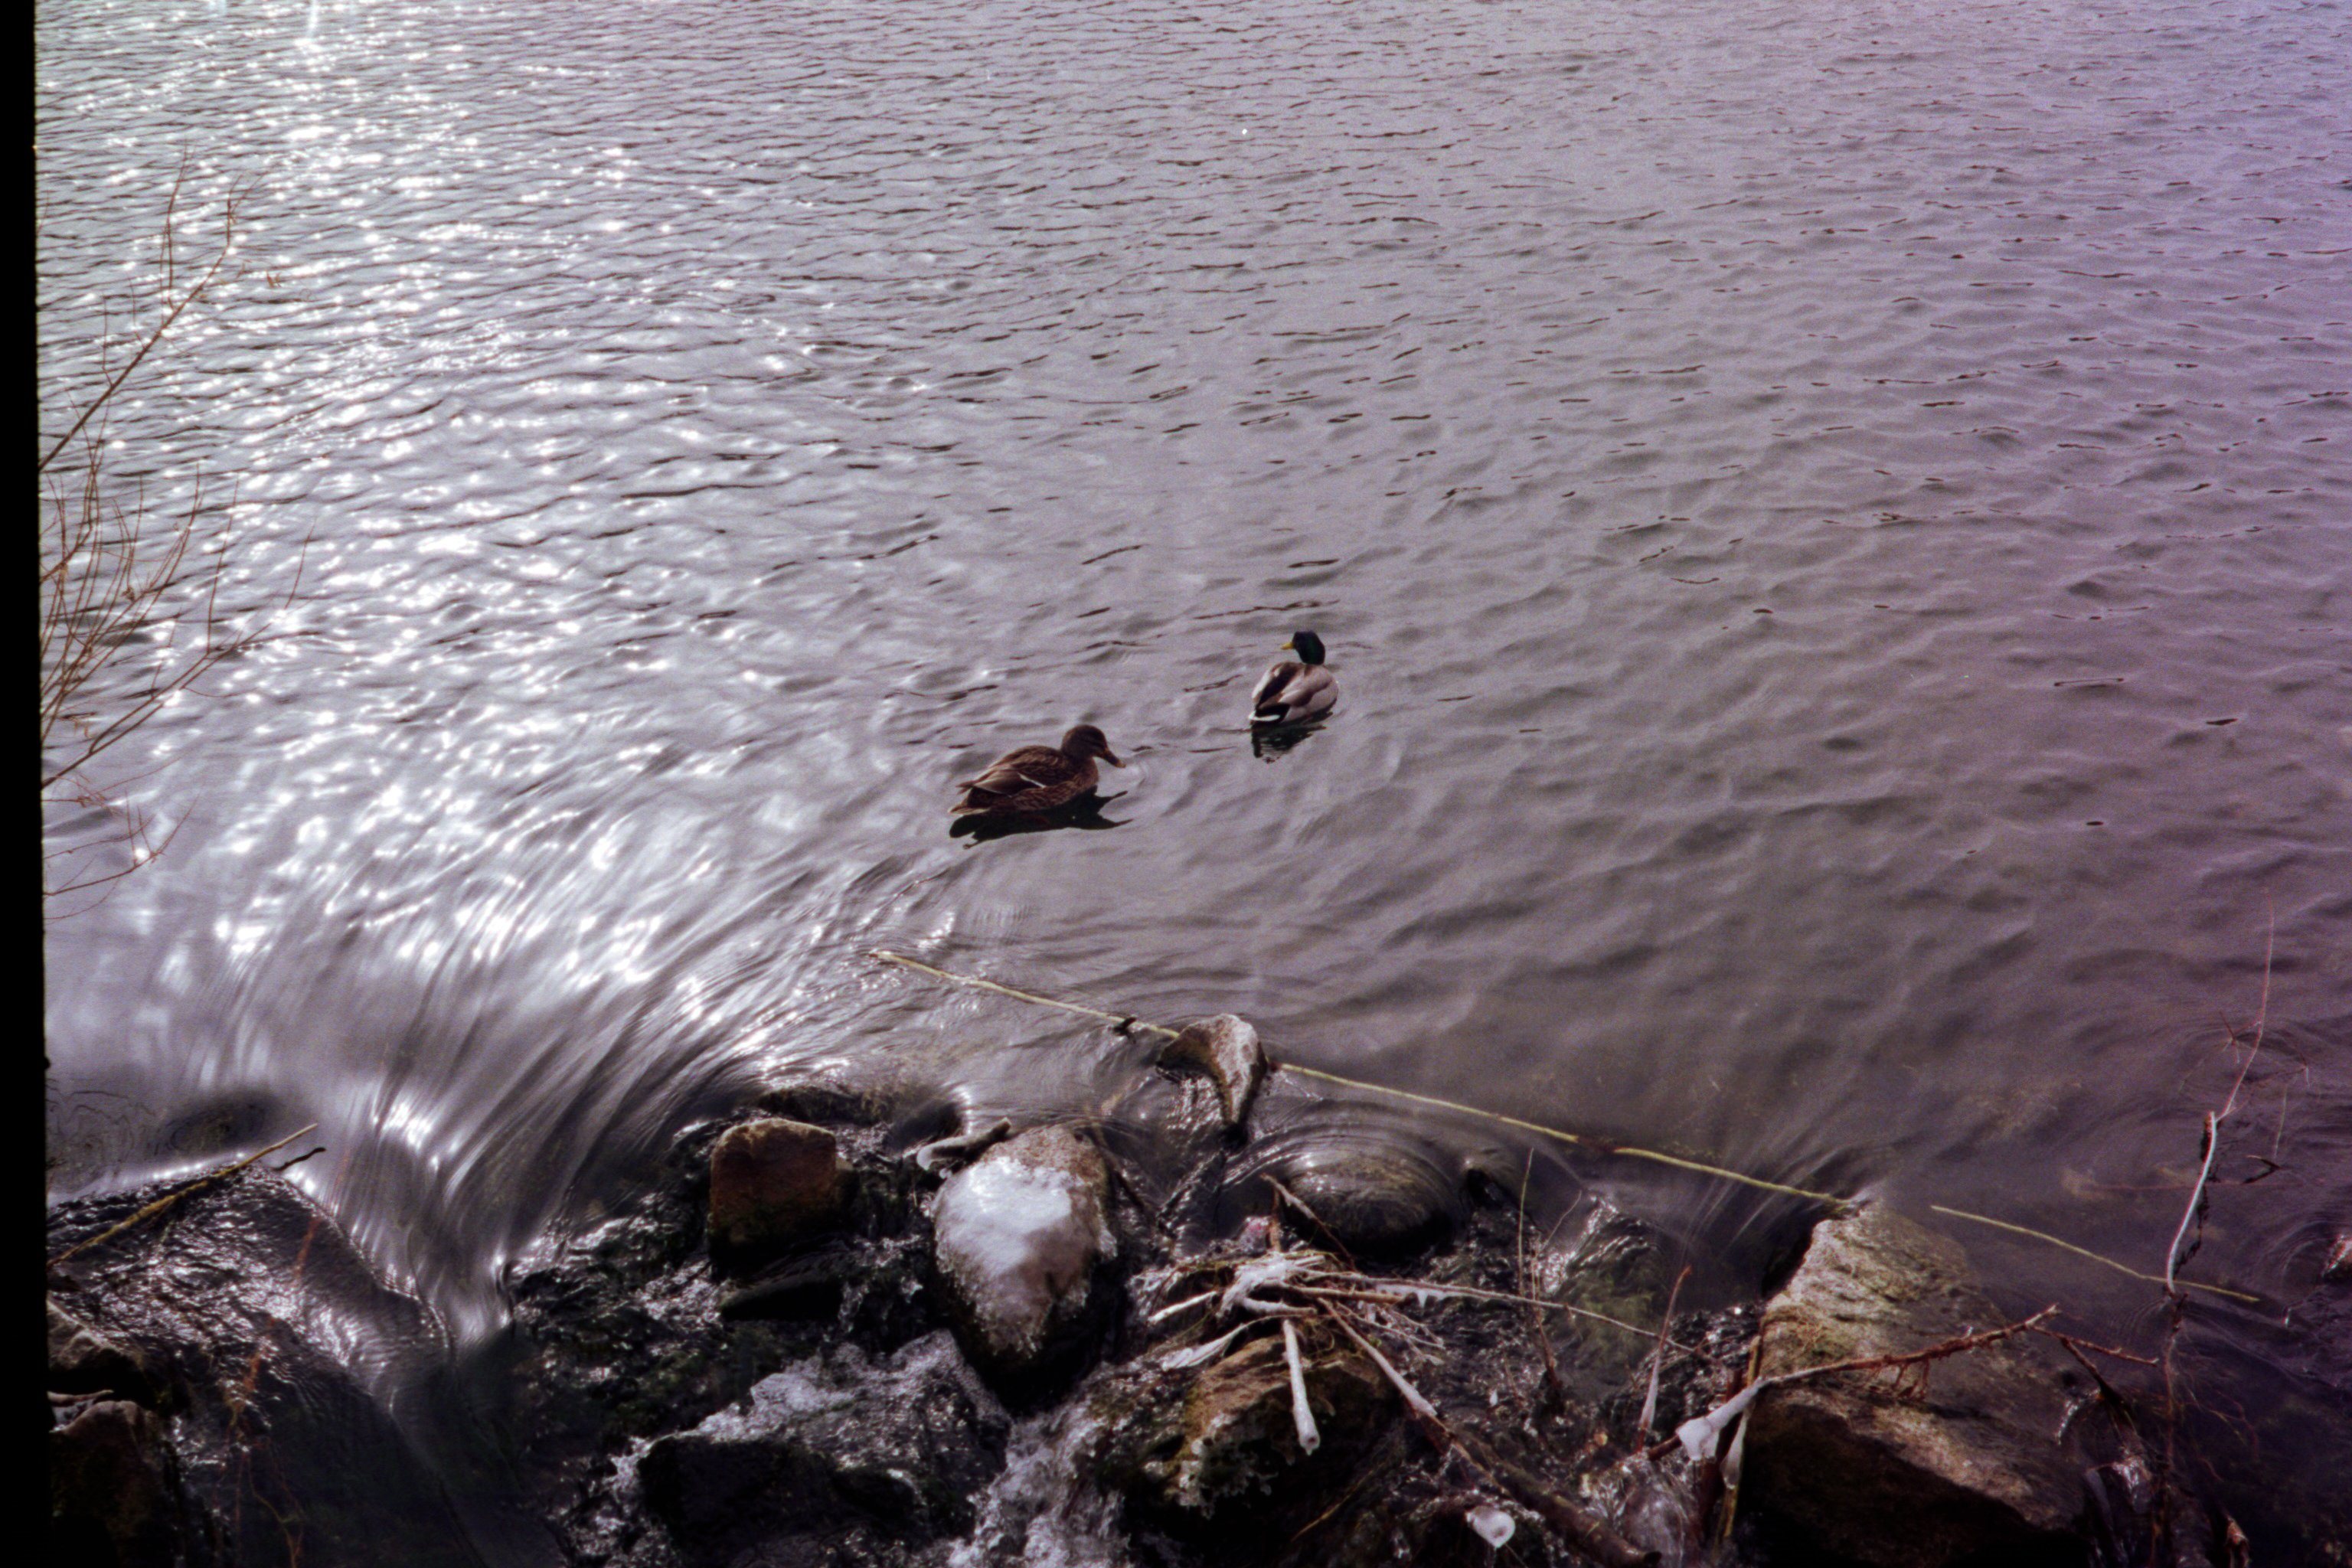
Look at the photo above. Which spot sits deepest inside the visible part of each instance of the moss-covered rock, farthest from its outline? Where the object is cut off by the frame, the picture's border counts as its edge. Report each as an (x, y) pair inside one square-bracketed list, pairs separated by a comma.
[(1970, 1470)]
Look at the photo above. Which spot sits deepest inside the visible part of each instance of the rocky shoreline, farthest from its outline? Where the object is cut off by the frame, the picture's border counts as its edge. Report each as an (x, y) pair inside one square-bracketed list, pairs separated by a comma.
[(835, 1331)]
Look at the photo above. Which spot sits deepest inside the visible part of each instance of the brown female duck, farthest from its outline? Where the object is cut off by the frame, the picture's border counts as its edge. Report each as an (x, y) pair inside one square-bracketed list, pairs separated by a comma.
[(1037, 779)]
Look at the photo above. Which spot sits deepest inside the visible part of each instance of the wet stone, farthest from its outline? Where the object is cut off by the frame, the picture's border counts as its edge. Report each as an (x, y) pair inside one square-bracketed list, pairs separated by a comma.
[(1233, 1436), (1621, 1268), (1226, 1049), (83, 1361), (829, 1460), (772, 1183), (244, 1305), (1019, 1236), (1972, 1473), (114, 1493)]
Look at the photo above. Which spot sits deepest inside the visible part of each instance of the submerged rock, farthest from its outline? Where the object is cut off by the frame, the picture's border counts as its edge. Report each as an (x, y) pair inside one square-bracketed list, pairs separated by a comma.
[(772, 1183), (835, 1460), (1226, 1049), (1972, 1469), (1017, 1237), (1372, 1195), (1621, 1268)]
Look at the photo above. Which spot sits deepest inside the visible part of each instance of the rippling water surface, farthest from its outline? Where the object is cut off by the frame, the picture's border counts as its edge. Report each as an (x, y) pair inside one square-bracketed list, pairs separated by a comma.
[(1833, 526)]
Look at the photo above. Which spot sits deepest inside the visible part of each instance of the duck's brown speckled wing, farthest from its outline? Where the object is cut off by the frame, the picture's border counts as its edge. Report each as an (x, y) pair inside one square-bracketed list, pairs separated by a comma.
[(1035, 778)]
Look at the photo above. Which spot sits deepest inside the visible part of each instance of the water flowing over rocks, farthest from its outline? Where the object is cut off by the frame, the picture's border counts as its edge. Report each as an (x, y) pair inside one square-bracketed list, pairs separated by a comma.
[(836, 1458), (239, 1423), (843, 1328)]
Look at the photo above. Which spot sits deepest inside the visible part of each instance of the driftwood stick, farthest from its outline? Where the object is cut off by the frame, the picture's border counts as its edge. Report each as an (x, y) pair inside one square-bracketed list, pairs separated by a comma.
[(175, 1195)]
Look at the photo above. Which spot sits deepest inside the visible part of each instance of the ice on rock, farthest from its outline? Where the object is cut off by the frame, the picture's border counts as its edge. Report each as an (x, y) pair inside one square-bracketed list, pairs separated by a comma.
[(1017, 1237)]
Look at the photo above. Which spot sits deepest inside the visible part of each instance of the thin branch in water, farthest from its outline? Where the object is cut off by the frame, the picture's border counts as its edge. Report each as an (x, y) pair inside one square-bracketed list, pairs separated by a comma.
[(175, 1195), (2173, 1258), (2094, 1256)]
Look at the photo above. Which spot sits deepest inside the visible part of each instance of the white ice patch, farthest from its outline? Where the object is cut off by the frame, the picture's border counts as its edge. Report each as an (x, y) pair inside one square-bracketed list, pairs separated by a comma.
[(1494, 1527), (1013, 1241)]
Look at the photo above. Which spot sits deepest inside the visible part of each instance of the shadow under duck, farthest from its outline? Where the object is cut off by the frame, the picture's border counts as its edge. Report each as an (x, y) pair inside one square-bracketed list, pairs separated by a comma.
[(1034, 780)]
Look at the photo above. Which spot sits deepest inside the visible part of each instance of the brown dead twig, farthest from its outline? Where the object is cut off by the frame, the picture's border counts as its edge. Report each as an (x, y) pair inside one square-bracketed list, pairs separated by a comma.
[(1658, 1360), (2190, 1235), (175, 1195), (118, 593), (1304, 1286), (1701, 1435)]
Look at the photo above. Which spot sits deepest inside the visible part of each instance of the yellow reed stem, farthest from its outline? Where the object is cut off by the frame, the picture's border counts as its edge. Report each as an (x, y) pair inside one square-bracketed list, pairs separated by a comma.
[(1581, 1140)]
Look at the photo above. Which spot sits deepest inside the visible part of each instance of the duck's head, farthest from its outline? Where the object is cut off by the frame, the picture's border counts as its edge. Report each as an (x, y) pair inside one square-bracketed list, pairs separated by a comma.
[(1084, 741), (1306, 645)]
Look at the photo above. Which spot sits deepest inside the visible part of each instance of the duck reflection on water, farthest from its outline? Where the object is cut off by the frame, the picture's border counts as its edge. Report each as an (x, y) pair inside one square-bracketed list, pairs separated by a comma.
[(1084, 813)]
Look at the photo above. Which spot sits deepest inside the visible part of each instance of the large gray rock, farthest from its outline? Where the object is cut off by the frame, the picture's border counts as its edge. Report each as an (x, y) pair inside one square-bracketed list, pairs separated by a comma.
[(1018, 1236), (831, 1459), (1971, 1470)]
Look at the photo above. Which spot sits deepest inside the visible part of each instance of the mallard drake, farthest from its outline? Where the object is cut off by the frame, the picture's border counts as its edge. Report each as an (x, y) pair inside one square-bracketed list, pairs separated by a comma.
[(1037, 779), (1295, 689)]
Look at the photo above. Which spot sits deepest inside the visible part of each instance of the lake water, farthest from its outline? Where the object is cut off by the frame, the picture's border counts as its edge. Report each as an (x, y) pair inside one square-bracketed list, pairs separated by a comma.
[(1833, 526)]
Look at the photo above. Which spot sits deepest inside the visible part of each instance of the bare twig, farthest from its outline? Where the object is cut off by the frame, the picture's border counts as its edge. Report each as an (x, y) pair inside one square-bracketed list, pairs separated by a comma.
[(115, 591), (2173, 1258), (1589, 1142), (2173, 1254), (1658, 1358), (175, 1195), (1699, 1434), (1555, 1387), (2077, 1344), (2085, 1252)]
